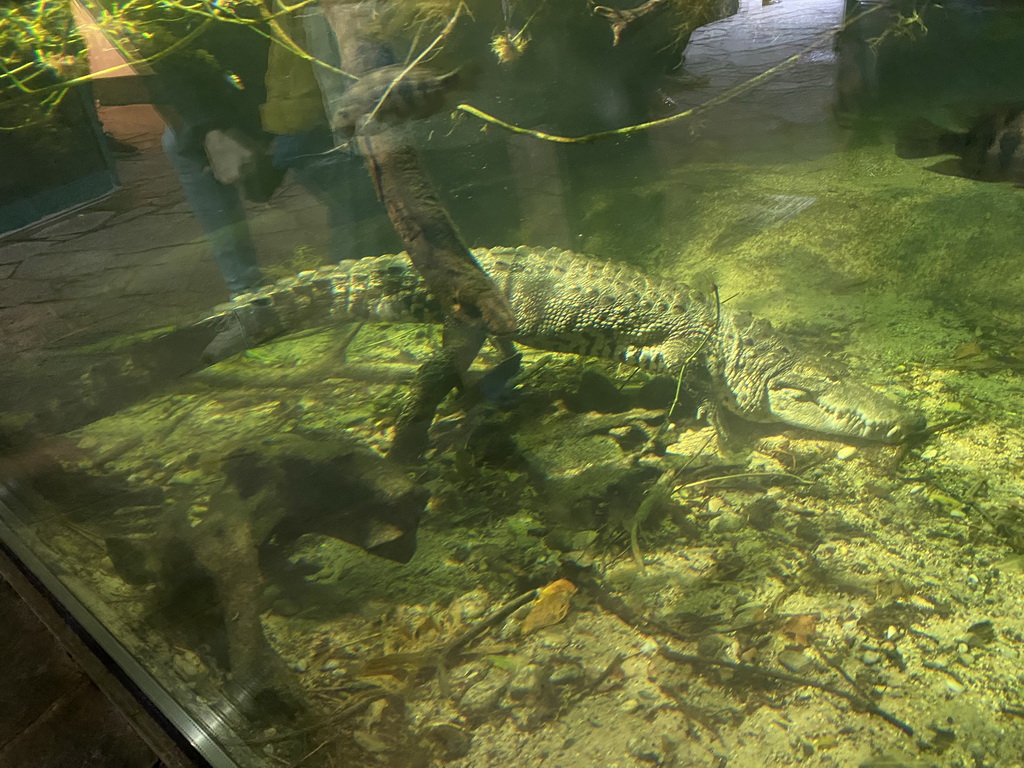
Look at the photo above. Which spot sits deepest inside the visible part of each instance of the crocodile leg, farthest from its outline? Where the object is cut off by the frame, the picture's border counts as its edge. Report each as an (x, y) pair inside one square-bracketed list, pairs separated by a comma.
[(437, 377)]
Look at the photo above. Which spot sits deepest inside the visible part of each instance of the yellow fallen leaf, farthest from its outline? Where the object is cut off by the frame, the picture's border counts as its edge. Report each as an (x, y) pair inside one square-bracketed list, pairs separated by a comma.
[(551, 605)]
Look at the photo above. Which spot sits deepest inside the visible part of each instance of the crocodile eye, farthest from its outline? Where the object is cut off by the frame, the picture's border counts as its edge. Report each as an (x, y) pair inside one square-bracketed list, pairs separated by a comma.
[(799, 394)]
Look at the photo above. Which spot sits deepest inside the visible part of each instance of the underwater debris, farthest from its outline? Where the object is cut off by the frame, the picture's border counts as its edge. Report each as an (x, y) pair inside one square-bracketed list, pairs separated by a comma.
[(621, 20), (551, 605), (509, 47), (800, 630)]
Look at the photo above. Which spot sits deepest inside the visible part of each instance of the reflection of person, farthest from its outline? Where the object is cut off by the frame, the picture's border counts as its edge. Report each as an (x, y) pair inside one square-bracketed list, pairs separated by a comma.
[(247, 112)]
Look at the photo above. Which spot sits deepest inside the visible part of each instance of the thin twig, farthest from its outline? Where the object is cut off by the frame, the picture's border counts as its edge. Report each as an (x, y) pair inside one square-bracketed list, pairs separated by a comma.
[(732, 93), (707, 480), (786, 677)]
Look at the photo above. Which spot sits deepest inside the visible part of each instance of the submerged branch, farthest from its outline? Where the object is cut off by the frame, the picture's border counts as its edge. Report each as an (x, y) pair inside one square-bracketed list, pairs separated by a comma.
[(786, 677), (648, 626), (620, 20)]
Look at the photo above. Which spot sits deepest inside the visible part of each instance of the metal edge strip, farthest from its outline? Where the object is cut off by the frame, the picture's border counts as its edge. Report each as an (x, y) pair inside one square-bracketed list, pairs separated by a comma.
[(188, 726)]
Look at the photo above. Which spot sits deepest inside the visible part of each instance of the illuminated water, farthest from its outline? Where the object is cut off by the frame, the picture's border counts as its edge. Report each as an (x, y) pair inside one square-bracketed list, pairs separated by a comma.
[(214, 521)]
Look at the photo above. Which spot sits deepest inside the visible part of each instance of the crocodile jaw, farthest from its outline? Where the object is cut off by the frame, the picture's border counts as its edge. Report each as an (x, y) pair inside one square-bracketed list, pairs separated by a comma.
[(820, 402)]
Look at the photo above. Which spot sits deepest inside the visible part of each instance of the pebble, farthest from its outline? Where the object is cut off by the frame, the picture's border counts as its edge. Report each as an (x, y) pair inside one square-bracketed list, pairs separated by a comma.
[(711, 645), (454, 741), (481, 699), (847, 452), (795, 661), (871, 657), (469, 606), (300, 666), (727, 522), (526, 682), (629, 706), (583, 539), (566, 675), (330, 665), (716, 504), (642, 749)]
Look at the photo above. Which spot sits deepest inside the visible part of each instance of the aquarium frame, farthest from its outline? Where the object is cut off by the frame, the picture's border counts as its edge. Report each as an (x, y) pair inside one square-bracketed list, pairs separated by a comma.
[(194, 731)]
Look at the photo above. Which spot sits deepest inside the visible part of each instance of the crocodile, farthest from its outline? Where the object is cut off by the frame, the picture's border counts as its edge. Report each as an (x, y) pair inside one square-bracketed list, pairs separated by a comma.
[(565, 302)]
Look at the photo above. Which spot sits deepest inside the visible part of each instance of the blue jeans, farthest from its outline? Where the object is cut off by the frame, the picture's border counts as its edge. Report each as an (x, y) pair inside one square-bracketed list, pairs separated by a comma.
[(221, 214), (327, 174), (324, 173)]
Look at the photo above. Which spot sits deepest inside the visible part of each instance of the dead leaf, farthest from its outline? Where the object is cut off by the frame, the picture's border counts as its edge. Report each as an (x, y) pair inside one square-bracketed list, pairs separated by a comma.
[(800, 629), (551, 605)]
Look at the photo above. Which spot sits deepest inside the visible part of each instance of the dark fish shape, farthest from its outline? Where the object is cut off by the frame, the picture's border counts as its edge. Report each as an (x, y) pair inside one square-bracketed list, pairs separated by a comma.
[(992, 149), (418, 94)]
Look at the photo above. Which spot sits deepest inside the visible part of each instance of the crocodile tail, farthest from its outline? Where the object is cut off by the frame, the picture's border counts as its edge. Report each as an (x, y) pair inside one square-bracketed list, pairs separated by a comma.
[(384, 288)]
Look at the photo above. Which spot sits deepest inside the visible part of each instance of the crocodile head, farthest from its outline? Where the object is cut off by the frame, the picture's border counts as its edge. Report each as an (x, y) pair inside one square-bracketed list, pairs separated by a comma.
[(761, 379), (808, 397)]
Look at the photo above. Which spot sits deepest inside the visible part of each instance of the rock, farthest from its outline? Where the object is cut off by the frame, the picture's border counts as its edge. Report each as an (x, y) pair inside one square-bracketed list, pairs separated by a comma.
[(761, 512), (846, 452), (451, 741), (566, 675), (711, 646), (870, 657), (728, 522), (629, 706), (643, 749), (469, 606), (795, 661), (583, 539), (481, 699), (527, 683)]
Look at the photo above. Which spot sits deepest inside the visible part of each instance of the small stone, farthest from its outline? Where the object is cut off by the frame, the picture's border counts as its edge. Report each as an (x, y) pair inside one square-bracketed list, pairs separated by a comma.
[(481, 699), (716, 504), (870, 657), (955, 687), (583, 539), (470, 606), (761, 512), (453, 742), (929, 453), (795, 661), (527, 682), (847, 452), (566, 675), (728, 522), (710, 646), (629, 706), (642, 749), (330, 665), (300, 666)]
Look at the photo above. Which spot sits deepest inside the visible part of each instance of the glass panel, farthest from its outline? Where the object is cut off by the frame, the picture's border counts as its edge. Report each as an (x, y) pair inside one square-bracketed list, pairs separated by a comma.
[(525, 382)]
